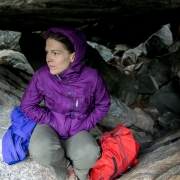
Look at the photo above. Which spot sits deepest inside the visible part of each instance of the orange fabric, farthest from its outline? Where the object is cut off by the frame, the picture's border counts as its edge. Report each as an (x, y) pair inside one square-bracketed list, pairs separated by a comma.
[(119, 152)]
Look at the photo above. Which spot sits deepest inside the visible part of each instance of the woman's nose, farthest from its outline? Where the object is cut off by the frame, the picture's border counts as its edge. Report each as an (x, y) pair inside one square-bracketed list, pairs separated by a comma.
[(48, 58)]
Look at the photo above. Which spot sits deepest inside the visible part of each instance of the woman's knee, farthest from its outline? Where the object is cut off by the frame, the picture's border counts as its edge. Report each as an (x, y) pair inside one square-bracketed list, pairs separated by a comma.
[(83, 151), (44, 144), (90, 153), (86, 157)]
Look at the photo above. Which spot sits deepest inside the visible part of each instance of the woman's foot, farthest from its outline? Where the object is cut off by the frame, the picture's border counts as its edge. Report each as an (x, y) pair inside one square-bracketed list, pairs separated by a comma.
[(70, 171), (71, 174)]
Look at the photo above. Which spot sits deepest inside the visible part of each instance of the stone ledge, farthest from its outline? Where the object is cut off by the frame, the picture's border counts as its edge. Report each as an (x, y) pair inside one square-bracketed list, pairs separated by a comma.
[(25, 170)]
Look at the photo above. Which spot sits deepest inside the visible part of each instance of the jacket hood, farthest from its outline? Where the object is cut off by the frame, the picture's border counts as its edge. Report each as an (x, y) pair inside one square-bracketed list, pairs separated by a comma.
[(78, 39)]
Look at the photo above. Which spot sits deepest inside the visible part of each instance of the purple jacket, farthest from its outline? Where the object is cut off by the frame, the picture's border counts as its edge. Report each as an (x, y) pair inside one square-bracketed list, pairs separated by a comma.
[(76, 100)]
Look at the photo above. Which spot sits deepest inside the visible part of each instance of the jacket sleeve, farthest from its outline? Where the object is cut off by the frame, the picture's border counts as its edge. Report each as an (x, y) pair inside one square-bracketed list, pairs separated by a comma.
[(31, 100), (102, 104)]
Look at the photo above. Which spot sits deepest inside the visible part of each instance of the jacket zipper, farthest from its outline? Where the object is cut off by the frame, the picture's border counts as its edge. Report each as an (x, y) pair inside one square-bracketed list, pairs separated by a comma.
[(72, 104), (59, 77), (115, 168), (70, 97)]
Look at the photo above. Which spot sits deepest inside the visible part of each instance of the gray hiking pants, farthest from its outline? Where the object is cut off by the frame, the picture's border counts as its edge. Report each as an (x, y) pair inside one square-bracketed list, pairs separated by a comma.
[(47, 149)]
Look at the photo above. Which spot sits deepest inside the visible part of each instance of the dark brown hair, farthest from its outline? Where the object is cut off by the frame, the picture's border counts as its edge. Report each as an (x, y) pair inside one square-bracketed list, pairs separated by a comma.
[(64, 40)]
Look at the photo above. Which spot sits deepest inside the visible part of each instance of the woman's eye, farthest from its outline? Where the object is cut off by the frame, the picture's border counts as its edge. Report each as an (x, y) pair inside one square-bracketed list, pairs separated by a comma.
[(55, 53)]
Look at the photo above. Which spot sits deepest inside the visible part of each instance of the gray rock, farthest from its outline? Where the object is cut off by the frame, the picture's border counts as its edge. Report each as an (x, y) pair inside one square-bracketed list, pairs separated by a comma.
[(143, 138), (26, 170), (156, 68), (129, 57), (9, 87), (159, 42), (154, 45), (15, 59), (167, 98), (130, 68), (121, 47), (173, 174), (105, 52), (5, 121), (12, 79), (128, 89), (146, 84), (10, 40), (152, 110), (7, 98), (138, 66), (162, 68), (95, 131), (169, 120), (119, 112), (143, 121)]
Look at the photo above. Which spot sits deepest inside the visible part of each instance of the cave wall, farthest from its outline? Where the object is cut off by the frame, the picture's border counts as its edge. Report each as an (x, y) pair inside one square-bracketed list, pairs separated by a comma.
[(128, 19)]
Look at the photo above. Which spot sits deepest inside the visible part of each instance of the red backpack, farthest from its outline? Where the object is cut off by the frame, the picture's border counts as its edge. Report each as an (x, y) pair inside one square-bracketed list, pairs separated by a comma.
[(119, 153)]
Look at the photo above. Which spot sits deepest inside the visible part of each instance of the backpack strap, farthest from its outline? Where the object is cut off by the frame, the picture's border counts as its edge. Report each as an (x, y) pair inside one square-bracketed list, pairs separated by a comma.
[(147, 150)]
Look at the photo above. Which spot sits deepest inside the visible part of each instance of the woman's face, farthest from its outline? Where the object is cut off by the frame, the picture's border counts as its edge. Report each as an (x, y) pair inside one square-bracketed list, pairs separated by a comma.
[(58, 58)]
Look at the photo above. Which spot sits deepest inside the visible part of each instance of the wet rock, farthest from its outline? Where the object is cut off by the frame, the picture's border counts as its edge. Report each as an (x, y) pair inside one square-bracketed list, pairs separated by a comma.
[(11, 78), (143, 138), (16, 60), (129, 58), (138, 66), (143, 121), (8, 87), (160, 133), (7, 98), (128, 89), (5, 121), (95, 131), (103, 51), (167, 98), (174, 47), (152, 111), (147, 84), (10, 40), (159, 42), (169, 120), (162, 68), (130, 67), (121, 47), (119, 112)]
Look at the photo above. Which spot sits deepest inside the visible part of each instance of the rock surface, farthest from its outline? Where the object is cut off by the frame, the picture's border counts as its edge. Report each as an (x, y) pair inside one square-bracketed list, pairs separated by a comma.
[(161, 164)]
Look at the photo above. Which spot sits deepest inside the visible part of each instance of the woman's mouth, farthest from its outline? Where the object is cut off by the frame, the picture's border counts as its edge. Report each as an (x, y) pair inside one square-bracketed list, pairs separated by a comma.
[(51, 67)]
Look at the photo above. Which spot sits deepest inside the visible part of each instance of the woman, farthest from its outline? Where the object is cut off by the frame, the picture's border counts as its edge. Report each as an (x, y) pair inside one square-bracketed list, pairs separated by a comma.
[(76, 99)]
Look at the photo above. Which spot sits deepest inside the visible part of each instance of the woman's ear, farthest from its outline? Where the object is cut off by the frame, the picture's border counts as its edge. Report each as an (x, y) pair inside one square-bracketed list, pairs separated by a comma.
[(72, 56)]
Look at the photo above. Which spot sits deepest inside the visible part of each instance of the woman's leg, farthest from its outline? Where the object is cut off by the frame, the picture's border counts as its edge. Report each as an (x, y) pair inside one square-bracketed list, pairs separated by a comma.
[(45, 148), (84, 151)]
